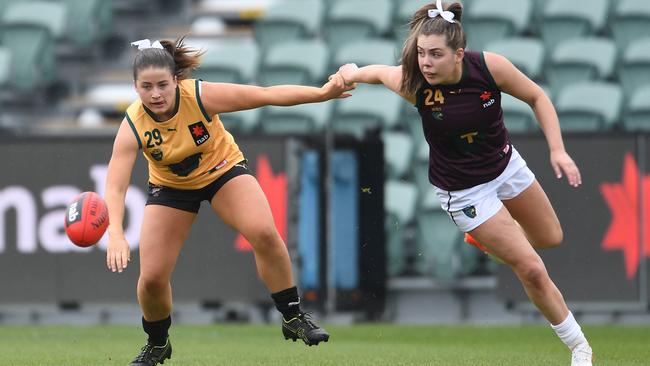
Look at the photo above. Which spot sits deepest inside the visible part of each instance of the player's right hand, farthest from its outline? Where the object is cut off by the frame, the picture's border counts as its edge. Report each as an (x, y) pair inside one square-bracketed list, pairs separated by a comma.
[(348, 72), (118, 253), (336, 87)]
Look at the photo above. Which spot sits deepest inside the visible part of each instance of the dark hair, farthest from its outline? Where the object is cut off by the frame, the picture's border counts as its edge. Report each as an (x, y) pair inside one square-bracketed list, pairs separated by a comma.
[(422, 24), (179, 59)]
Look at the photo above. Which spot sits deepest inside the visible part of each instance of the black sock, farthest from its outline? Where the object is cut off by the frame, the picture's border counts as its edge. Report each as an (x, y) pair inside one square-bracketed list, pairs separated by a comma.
[(287, 302), (157, 330)]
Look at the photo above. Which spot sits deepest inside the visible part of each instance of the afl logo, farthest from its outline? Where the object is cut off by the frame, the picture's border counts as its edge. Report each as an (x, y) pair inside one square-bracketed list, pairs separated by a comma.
[(157, 154)]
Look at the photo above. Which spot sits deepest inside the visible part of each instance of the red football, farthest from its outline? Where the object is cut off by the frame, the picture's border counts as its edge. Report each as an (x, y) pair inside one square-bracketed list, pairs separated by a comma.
[(86, 219)]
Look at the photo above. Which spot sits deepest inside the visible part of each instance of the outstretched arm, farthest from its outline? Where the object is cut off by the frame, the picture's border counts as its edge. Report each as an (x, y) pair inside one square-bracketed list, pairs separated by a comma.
[(512, 81), (390, 76), (224, 97)]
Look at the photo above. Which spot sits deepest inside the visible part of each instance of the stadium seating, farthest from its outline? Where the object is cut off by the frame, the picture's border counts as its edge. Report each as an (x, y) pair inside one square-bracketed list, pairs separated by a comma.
[(580, 59), (89, 21), (241, 121), (3, 5), (372, 107), (437, 240), (536, 17), (589, 106), (631, 20), (354, 19), (637, 114), (525, 53), (230, 62), (32, 56), (400, 200), (365, 52), (490, 20), (50, 15), (29, 30), (561, 20), (5, 66), (398, 153), (403, 13), (288, 20), (517, 115), (110, 98), (634, 65), (295, 62), (420, 167), (299, 119)]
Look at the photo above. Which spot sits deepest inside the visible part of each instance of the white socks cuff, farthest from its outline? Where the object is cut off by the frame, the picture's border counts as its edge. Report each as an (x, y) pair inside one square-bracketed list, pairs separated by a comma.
[(569, 331)]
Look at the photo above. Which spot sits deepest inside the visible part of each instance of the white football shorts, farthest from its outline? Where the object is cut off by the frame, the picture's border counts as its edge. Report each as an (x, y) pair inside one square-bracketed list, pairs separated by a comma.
[(471, 207)]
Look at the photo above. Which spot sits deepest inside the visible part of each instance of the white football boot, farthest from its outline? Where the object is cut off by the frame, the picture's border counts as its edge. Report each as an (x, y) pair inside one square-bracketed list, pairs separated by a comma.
[(581, 355)]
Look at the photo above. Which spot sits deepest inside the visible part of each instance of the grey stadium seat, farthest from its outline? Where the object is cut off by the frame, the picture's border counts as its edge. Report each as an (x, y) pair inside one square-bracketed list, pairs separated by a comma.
[(589, 106)]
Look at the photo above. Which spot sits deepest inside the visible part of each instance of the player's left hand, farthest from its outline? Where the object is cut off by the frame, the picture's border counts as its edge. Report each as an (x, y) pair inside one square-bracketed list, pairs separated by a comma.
[(563, 165)]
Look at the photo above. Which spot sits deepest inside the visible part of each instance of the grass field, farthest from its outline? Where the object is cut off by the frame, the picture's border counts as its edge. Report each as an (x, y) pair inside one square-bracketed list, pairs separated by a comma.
[(373, 344)]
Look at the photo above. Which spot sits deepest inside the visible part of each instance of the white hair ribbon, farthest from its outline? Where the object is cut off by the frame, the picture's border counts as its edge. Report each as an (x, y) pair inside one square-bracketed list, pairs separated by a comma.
[(446, 15), (143, 44)]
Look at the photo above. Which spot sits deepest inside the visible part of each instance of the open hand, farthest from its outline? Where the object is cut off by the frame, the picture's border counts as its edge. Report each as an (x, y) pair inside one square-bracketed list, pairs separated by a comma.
[(118, 254), (563, 164)]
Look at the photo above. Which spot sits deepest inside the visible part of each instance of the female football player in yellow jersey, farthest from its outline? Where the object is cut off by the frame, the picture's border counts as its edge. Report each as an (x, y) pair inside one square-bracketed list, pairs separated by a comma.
[(192, 158)]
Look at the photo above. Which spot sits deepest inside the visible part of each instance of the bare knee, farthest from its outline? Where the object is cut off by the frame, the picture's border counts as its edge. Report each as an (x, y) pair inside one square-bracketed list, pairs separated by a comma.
[(264, 238), (152, 285), (532, 274)]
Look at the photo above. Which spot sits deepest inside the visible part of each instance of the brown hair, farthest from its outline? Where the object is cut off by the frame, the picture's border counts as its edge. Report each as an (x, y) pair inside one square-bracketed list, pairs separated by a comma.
[(179, 59), (422, 24)]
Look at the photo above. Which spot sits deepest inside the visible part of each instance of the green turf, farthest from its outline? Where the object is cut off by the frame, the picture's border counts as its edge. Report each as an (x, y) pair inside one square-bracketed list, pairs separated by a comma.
[(373, 344)]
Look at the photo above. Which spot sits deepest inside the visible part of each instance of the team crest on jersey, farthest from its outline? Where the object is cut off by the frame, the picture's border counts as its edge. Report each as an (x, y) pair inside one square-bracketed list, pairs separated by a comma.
[(199, 132), (157, 154), (470, 211)]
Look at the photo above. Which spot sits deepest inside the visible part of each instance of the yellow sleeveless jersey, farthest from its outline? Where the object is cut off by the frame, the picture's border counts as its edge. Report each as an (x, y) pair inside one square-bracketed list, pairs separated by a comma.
[(191, 149)]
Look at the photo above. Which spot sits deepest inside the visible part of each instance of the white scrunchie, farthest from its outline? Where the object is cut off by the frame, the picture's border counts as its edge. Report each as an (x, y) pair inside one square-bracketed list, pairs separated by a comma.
[(446, 15), (143, 44)]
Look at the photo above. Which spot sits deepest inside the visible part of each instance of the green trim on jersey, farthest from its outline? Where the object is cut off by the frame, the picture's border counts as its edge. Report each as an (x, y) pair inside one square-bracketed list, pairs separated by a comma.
[(135, 132), (198, 100)]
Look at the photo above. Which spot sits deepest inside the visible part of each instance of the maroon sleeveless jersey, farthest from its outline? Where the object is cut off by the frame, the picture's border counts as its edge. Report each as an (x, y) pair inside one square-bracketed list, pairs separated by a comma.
[(463, 124)]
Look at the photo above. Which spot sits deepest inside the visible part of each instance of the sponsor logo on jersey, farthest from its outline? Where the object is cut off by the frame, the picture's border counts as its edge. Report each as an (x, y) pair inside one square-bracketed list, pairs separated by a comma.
[(199, 133), (486, 97)]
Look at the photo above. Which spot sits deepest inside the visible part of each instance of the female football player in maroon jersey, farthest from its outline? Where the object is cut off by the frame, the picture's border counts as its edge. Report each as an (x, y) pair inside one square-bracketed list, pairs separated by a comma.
[(480, 178)]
